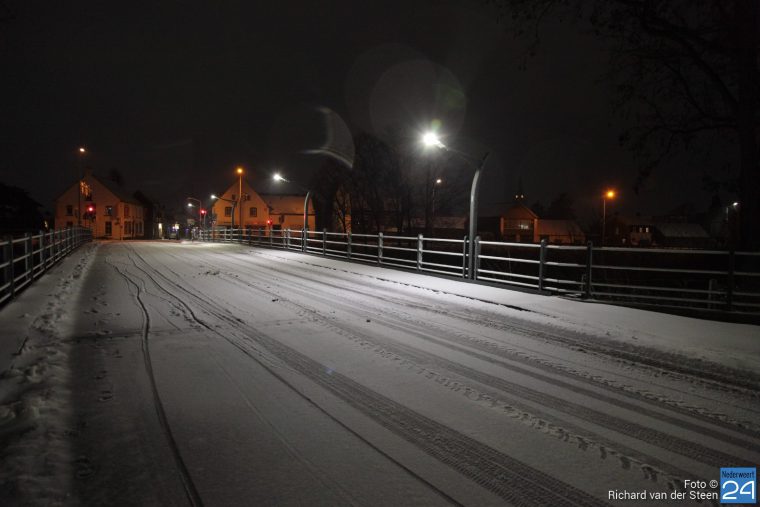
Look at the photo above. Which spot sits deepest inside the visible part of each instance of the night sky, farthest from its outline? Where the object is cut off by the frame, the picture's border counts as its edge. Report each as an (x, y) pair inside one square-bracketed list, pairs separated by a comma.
[(176, 94)]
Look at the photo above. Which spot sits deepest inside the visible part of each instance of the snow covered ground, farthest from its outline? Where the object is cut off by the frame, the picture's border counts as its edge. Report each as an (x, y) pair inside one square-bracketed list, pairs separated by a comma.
[(157, 373)]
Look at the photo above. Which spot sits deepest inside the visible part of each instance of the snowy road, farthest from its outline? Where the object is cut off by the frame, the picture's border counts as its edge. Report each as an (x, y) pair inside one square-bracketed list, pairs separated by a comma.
[(224, 375)]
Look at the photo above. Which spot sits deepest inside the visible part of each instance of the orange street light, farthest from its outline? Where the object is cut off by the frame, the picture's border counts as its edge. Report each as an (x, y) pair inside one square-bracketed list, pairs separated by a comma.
[(240, 198), (609, 194)]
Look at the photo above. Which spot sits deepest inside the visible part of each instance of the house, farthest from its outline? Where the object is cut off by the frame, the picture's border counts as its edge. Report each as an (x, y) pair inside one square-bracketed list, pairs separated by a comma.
[(519, 224), (259, 211), (93, 203), (559, 232), (286, 211), (681, 235)]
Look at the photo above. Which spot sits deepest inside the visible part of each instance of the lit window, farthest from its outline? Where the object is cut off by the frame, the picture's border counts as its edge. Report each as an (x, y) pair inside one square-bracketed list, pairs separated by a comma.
[(109, 211)]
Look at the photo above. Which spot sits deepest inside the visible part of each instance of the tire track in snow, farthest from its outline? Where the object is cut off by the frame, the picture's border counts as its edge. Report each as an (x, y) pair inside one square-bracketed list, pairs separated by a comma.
[(651, 436), (493, 348), (680, 446), (705, 372), (187, 482), (514, 481)]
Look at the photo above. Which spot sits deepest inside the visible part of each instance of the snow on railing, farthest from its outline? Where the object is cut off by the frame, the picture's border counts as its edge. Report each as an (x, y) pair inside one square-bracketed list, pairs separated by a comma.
[(706, 280), (24, 259)]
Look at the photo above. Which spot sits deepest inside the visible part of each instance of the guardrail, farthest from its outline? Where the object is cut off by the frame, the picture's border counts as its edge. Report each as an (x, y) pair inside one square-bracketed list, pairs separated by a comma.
[(26, 258), (705, 280)]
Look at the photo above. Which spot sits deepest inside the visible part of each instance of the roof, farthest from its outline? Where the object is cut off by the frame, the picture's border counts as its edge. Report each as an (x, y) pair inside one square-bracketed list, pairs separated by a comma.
[(121, 194), (681, 230), (517, 211)]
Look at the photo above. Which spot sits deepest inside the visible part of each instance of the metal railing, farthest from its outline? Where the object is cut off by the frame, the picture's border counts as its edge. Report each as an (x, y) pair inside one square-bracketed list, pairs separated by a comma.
[(25, 258), (705, 280)]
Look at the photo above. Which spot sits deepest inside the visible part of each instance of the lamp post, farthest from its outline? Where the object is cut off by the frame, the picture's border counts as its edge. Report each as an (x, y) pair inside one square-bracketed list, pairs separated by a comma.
[(609, 194), (430, 139), (82, 153), (278, 177), (239, 171), (200, 206), (437, 182), (233, 202)]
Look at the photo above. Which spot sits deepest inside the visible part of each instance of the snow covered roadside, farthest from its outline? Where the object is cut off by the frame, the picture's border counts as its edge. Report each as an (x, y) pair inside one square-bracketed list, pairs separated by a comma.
[(727, 344), (35, 412)]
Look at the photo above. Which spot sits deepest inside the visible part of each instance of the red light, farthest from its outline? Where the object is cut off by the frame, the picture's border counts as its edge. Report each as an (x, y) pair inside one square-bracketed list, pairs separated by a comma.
[(269, 222), (203, 212), (90, 208)]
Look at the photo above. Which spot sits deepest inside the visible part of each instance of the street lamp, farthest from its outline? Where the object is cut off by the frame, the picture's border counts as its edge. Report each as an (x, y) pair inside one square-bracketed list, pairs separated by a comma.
[(437, 182), (200, 209), (278, 177), (240, 197), (82, 153), (233, 202), (431, 140), (609, 194)]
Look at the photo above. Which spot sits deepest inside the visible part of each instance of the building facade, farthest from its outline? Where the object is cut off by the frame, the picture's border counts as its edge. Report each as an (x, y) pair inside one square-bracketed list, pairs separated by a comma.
[(259, 211), (93, 203)]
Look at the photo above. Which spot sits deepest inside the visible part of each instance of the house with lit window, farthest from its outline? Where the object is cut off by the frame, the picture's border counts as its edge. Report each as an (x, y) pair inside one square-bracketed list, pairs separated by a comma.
[(94, 203), (255, 211)]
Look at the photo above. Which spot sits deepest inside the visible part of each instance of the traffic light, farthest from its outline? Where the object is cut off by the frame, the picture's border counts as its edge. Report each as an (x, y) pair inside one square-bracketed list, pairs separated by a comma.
[(203, 212), (269, 222), (90, 213)]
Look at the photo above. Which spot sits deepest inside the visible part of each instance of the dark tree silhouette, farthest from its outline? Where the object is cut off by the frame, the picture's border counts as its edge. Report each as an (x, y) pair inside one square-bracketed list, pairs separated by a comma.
[(18, 212), (686, 73)]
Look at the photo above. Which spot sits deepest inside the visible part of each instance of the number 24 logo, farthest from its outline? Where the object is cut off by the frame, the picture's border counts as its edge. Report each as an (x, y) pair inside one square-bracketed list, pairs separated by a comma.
[(748, 489)]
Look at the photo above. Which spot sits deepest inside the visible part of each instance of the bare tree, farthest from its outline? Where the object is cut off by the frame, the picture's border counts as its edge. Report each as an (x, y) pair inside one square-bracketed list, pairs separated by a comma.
[(686, 73)]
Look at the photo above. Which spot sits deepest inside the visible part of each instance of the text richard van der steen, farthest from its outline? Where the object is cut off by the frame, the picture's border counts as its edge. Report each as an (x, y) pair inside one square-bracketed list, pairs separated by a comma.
[(735, 485)]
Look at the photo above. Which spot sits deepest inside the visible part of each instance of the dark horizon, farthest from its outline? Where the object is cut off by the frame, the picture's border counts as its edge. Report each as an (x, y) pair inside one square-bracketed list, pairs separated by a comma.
[(175, 98)]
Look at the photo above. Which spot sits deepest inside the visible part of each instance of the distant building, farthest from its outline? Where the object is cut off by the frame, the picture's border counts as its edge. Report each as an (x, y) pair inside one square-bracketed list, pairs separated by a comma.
[(286, 211), (260, 211), (559, 232), (681, 235), (646, 231), (518, 224), (94, 203)]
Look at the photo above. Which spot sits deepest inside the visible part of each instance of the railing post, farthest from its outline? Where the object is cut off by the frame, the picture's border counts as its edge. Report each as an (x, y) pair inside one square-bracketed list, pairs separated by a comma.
[(42, 251), (589, 255), (476, 263), (324, 242), (29, 257), (464, 257), (8, 256), (379, 247), (420, 244), (305, 240), (730, 281), (271, 239), (287, 239), (348, 245), (541, 263)]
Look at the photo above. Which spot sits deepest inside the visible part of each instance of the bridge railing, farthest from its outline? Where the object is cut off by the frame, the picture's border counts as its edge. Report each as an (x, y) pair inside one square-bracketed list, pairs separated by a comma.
[(710, 281), (23, 259)]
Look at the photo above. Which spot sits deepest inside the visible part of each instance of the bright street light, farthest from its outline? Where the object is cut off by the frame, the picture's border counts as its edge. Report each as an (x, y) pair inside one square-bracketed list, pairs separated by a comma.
[(431, 139), (279, 177)]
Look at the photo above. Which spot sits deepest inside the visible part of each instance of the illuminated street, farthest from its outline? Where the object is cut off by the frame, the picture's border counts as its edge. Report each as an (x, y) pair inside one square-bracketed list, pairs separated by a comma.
[(187, 373)]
